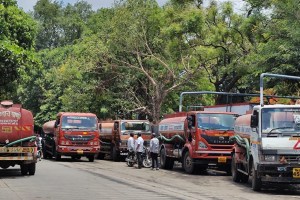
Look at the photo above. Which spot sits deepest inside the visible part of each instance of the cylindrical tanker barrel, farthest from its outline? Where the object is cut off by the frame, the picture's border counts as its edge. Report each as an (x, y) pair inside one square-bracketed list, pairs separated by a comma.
[(172, 129), (48, 127), (242, 126), (15, 122)]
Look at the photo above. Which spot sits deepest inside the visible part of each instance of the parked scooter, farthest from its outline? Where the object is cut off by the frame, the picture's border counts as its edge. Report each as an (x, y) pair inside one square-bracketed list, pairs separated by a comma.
[(132, 158)]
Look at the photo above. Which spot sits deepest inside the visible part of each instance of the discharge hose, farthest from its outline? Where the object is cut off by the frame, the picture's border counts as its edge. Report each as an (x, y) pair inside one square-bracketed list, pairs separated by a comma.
[(31, 138), (163, 138), (243, 142)]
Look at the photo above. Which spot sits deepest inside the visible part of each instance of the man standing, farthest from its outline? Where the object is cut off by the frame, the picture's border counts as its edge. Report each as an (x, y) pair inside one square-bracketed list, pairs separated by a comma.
[(154, 146), (130, 146), (139, 149)]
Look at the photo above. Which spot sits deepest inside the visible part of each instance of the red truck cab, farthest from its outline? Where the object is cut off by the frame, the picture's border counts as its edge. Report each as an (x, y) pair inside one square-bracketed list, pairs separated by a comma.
[(197, 139), (72, 134)]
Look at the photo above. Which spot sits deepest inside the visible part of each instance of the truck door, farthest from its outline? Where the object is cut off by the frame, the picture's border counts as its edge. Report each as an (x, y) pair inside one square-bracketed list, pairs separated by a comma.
[(191, 127)]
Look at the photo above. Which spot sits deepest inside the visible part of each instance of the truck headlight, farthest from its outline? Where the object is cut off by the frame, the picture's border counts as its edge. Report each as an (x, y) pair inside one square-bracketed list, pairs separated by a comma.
[(201, 145), (270, 158)]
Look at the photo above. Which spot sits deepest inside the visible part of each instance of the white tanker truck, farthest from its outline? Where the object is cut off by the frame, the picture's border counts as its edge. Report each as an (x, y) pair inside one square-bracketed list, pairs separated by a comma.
[(267, 143)]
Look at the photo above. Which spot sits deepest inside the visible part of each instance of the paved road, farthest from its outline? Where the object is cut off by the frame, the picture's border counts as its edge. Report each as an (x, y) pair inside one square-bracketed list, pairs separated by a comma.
[(104, 179)]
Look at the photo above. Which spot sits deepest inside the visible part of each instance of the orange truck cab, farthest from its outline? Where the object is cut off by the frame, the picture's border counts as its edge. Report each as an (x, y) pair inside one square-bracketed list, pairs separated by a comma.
[(17, 140), (72, 134), (197, 139), (114, 135)]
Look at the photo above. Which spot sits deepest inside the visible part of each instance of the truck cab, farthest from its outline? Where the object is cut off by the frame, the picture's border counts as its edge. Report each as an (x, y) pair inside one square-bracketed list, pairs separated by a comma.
[(72, 134), (197, 139), (114, 135)]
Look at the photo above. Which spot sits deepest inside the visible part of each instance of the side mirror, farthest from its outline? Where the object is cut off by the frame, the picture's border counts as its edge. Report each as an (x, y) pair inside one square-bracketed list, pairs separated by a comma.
[(190, 122), (100, 126), (254, 121)]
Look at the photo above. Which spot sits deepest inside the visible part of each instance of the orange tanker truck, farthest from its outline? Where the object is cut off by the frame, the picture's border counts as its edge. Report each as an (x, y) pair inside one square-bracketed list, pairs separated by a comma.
[(114, 136), (17, 140), (197, 139), (72, 134)]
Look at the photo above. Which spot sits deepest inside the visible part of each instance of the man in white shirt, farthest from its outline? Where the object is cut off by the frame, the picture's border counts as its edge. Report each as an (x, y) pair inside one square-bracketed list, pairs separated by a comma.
[(139, 149), (130, 146), (154, 148)]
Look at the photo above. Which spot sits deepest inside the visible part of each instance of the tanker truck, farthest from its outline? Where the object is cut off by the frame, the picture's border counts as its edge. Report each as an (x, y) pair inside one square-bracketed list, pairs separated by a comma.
[(267, 143), (197, 139), (17, 140), (72, 134), (114, 136)]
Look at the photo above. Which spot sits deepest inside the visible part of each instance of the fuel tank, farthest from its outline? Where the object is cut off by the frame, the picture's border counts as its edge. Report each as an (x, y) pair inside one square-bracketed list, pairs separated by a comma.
[(15, 122), (48, 127), (242, 126)]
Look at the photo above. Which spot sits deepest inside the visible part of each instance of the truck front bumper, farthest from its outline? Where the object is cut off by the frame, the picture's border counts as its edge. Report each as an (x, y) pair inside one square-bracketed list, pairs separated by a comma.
[(78, 150), (279, 173), (212, 157)]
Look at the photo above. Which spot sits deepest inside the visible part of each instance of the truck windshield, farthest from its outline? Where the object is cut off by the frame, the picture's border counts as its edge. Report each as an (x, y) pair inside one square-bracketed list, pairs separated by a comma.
[(216, 121), (79, 122), (135, 126), (283, 121)]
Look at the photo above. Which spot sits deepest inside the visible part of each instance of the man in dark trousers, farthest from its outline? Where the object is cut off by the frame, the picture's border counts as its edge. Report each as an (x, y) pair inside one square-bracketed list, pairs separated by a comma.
[(154, 147), (139, 149)]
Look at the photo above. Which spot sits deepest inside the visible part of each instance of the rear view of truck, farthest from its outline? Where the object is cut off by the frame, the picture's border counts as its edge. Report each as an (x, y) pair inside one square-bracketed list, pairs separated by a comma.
[(17, 140)]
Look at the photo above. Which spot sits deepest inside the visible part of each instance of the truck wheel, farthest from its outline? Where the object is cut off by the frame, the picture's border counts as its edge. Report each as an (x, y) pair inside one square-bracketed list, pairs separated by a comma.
[(256, 182), (57, 156), (31, 168), (165, 162), (101, 156), (91, 158), (24, 169), (236, 175), (114, 154), (46, 154), (188, 163)]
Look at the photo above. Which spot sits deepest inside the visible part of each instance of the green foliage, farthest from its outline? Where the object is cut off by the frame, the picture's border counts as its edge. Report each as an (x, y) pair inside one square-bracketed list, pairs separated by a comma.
[(16, 46)]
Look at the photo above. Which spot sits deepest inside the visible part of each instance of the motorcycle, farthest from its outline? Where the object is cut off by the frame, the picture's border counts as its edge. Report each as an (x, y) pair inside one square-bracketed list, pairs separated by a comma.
[(132, 158)]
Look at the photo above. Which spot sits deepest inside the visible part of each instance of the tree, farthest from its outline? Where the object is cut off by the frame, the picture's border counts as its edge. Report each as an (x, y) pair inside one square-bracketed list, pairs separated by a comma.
[(16, 44), (141, 52), (58, 25)]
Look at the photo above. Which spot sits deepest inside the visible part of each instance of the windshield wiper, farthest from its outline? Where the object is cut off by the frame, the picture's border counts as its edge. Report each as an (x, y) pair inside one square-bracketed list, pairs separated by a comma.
[(270, 132)]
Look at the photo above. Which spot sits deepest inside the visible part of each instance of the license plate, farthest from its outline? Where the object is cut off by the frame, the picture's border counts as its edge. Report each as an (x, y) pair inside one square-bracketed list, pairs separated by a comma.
[(296, 172), (79, 151), (222, 159)]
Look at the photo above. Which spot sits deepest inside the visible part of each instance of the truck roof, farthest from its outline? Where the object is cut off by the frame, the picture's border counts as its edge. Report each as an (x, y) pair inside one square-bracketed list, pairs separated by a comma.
[(74, 114), (184, 114)]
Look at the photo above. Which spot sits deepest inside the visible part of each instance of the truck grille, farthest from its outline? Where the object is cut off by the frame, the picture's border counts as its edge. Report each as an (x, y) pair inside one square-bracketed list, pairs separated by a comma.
[(217, 139), (291, 158), (79, 138)]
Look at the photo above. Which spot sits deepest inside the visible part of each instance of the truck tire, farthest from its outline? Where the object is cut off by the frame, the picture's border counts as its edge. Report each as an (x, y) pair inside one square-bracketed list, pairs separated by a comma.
[(24, 169), (91, 158), (188, 163), (236, 175), (165, 162), (101, 156), (46, 154), (31, 168), (114, 154), (57, 156), (256, 182)]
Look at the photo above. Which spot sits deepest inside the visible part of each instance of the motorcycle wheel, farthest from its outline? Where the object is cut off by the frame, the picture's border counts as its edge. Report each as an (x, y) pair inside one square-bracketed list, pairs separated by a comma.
[(129, 163), (147, 162)]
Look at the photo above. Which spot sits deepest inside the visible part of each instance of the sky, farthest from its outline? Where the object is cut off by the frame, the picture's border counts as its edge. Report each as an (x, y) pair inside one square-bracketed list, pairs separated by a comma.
[(27, 5)]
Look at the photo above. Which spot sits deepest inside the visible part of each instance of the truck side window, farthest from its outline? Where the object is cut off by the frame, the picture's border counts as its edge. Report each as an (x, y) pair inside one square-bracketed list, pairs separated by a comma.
[(116, 126), (191, 121)]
